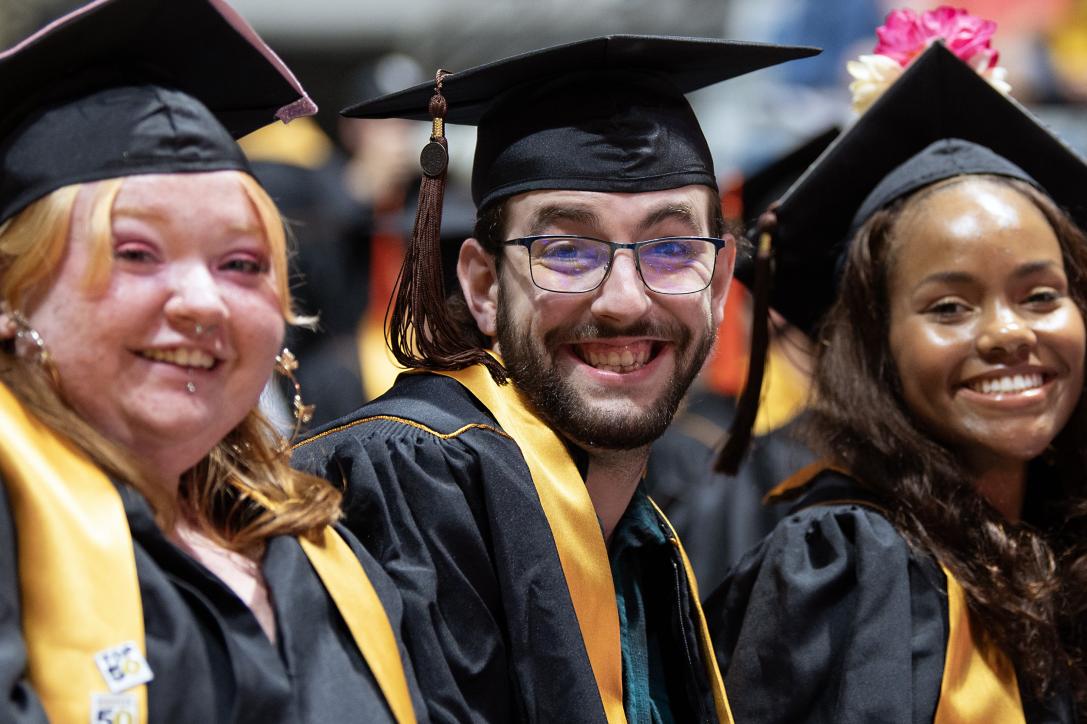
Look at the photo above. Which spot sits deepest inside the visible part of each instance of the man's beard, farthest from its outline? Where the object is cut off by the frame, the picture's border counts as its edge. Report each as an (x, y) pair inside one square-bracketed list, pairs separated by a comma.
[(530, 364)]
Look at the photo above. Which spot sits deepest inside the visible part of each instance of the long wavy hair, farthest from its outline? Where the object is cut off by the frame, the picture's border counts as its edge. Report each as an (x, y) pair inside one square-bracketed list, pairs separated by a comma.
[(244, 490), (1025, 583)]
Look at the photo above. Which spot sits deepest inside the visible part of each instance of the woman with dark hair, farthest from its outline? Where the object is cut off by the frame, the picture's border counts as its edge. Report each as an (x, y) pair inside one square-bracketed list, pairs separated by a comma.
[(933, 567), (159, 559)]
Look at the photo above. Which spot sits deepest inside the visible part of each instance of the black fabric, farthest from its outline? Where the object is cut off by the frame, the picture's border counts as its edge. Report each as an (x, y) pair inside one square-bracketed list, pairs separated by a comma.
[(836, 609), (123, 87), (943, 159), (211, 660), (451, 513), (719, 517), (602, 114), (937, 97)]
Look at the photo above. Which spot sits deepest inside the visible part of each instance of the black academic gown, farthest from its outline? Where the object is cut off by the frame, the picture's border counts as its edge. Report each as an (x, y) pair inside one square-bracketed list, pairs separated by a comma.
[(719, 517), (444, 500), (211, 660), (834, 618)]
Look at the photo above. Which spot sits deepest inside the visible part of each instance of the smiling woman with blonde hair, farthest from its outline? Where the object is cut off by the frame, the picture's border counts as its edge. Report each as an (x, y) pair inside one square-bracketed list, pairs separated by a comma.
[(159, 559)]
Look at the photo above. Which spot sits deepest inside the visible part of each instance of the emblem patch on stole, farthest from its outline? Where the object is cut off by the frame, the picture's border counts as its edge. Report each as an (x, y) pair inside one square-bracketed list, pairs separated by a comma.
[(123, 666), (114, 709)]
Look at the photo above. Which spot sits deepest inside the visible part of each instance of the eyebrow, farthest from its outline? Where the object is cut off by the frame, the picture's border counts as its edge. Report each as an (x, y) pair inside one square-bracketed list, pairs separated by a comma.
[(958, 277), (151, 215), (545, 216), (679, 212)]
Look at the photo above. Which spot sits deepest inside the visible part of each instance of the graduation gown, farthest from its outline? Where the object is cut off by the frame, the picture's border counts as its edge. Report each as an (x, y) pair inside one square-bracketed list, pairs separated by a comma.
[(834, 618), (719, 517), (208, 658), (211, 660), (510, 614)]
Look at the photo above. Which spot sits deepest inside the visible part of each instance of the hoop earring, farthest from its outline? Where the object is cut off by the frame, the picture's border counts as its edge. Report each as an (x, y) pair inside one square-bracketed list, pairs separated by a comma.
[(286, 364), (24, 331)]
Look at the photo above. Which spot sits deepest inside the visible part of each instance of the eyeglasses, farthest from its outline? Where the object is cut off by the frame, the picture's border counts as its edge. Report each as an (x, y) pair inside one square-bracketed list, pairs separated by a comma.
[(574, 264)]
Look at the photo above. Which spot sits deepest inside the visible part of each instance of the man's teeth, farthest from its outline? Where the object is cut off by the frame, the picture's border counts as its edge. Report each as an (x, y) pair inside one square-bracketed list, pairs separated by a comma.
[(1011, 383), (617, 359), (181, 357)]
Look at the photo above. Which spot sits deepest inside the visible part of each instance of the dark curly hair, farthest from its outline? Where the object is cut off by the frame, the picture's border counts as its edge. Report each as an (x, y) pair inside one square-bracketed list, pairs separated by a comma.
[(1025, 583)]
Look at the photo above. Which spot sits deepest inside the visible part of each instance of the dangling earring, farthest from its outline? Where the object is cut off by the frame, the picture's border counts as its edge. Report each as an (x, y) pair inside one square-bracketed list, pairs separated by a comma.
[(24, 331), (286, 364)]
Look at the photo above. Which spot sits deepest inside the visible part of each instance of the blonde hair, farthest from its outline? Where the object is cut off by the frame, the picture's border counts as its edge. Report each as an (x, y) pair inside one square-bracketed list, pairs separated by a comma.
[(244, 490)]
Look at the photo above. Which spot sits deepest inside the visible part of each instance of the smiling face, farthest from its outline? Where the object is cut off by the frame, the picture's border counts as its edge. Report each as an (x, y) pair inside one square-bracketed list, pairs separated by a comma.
[(988, 344), (607, 368), (168, 348)]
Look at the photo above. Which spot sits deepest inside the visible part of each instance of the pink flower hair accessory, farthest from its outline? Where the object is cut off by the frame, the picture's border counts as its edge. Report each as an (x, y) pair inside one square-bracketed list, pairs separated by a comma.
[(906, 34)]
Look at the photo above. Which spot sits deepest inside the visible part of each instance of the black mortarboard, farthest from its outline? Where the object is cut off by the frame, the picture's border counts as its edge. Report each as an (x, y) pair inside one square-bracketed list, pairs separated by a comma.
[(940, 119), (769, 182), (124, 87), (904, 142), (766, 185), (603, 114)]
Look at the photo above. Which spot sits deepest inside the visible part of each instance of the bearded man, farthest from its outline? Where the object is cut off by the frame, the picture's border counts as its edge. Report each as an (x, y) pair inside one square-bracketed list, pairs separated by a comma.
[(499, 482)]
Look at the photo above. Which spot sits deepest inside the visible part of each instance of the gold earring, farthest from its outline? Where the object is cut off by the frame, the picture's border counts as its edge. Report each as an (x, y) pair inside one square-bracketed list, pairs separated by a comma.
[(286, 364), (24, 331)]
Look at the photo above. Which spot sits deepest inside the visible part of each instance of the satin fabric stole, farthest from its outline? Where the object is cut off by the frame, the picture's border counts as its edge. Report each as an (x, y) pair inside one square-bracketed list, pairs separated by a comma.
[(77, 569), (351, 590), (979, 682)]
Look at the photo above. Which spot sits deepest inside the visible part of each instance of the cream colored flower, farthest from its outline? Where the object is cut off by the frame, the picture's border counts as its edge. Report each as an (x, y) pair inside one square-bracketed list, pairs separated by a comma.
[(872, 74)]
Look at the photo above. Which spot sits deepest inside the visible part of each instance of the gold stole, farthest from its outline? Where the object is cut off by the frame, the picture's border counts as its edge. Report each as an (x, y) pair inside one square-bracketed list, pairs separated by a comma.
[(77, 574), (979, 683), (582, 553), (77, 571), (357, 601)]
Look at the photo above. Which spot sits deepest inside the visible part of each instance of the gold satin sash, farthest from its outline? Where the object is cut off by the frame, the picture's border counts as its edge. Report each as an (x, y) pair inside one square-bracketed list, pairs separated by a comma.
[(581, 548), (979, 682), (77, 575), (358, 603), (77, 570)]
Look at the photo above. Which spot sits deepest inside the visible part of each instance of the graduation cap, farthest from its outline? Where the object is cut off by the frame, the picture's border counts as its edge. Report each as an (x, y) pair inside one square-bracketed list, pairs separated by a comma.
[(940, 119), (766, 185), (124, 87), (603, 114)]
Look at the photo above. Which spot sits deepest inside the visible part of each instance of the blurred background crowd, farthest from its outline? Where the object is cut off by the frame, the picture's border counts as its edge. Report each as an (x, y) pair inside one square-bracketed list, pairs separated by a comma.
[(348, 186)]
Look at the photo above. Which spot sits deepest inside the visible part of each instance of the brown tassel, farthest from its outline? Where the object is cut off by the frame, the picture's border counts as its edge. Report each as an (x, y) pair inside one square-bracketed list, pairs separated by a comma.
[(419, 331), (747, 409)]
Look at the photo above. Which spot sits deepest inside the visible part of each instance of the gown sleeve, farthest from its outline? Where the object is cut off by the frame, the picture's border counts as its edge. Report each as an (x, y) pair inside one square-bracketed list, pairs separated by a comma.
[(832, 619), (20, 703), (412, 500)]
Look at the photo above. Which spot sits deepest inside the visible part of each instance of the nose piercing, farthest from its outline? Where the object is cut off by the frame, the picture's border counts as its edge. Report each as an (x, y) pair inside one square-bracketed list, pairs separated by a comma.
[(198, 329)]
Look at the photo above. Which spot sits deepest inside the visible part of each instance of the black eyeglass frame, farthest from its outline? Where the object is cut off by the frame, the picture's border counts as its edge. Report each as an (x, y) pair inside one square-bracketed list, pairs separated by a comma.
[(613, 246)]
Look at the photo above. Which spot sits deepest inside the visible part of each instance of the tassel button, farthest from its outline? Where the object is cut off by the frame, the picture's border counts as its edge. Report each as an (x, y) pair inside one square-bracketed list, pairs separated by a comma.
[(434, 159)]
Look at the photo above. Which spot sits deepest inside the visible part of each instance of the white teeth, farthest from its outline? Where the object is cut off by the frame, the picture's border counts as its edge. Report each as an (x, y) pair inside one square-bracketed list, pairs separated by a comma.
[(181, 357), (617, 359), (1010, 383)]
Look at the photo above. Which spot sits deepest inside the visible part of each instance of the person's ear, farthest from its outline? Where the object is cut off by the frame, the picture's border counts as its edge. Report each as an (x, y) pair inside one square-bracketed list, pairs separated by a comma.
[(722, 278), (478, 276)]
